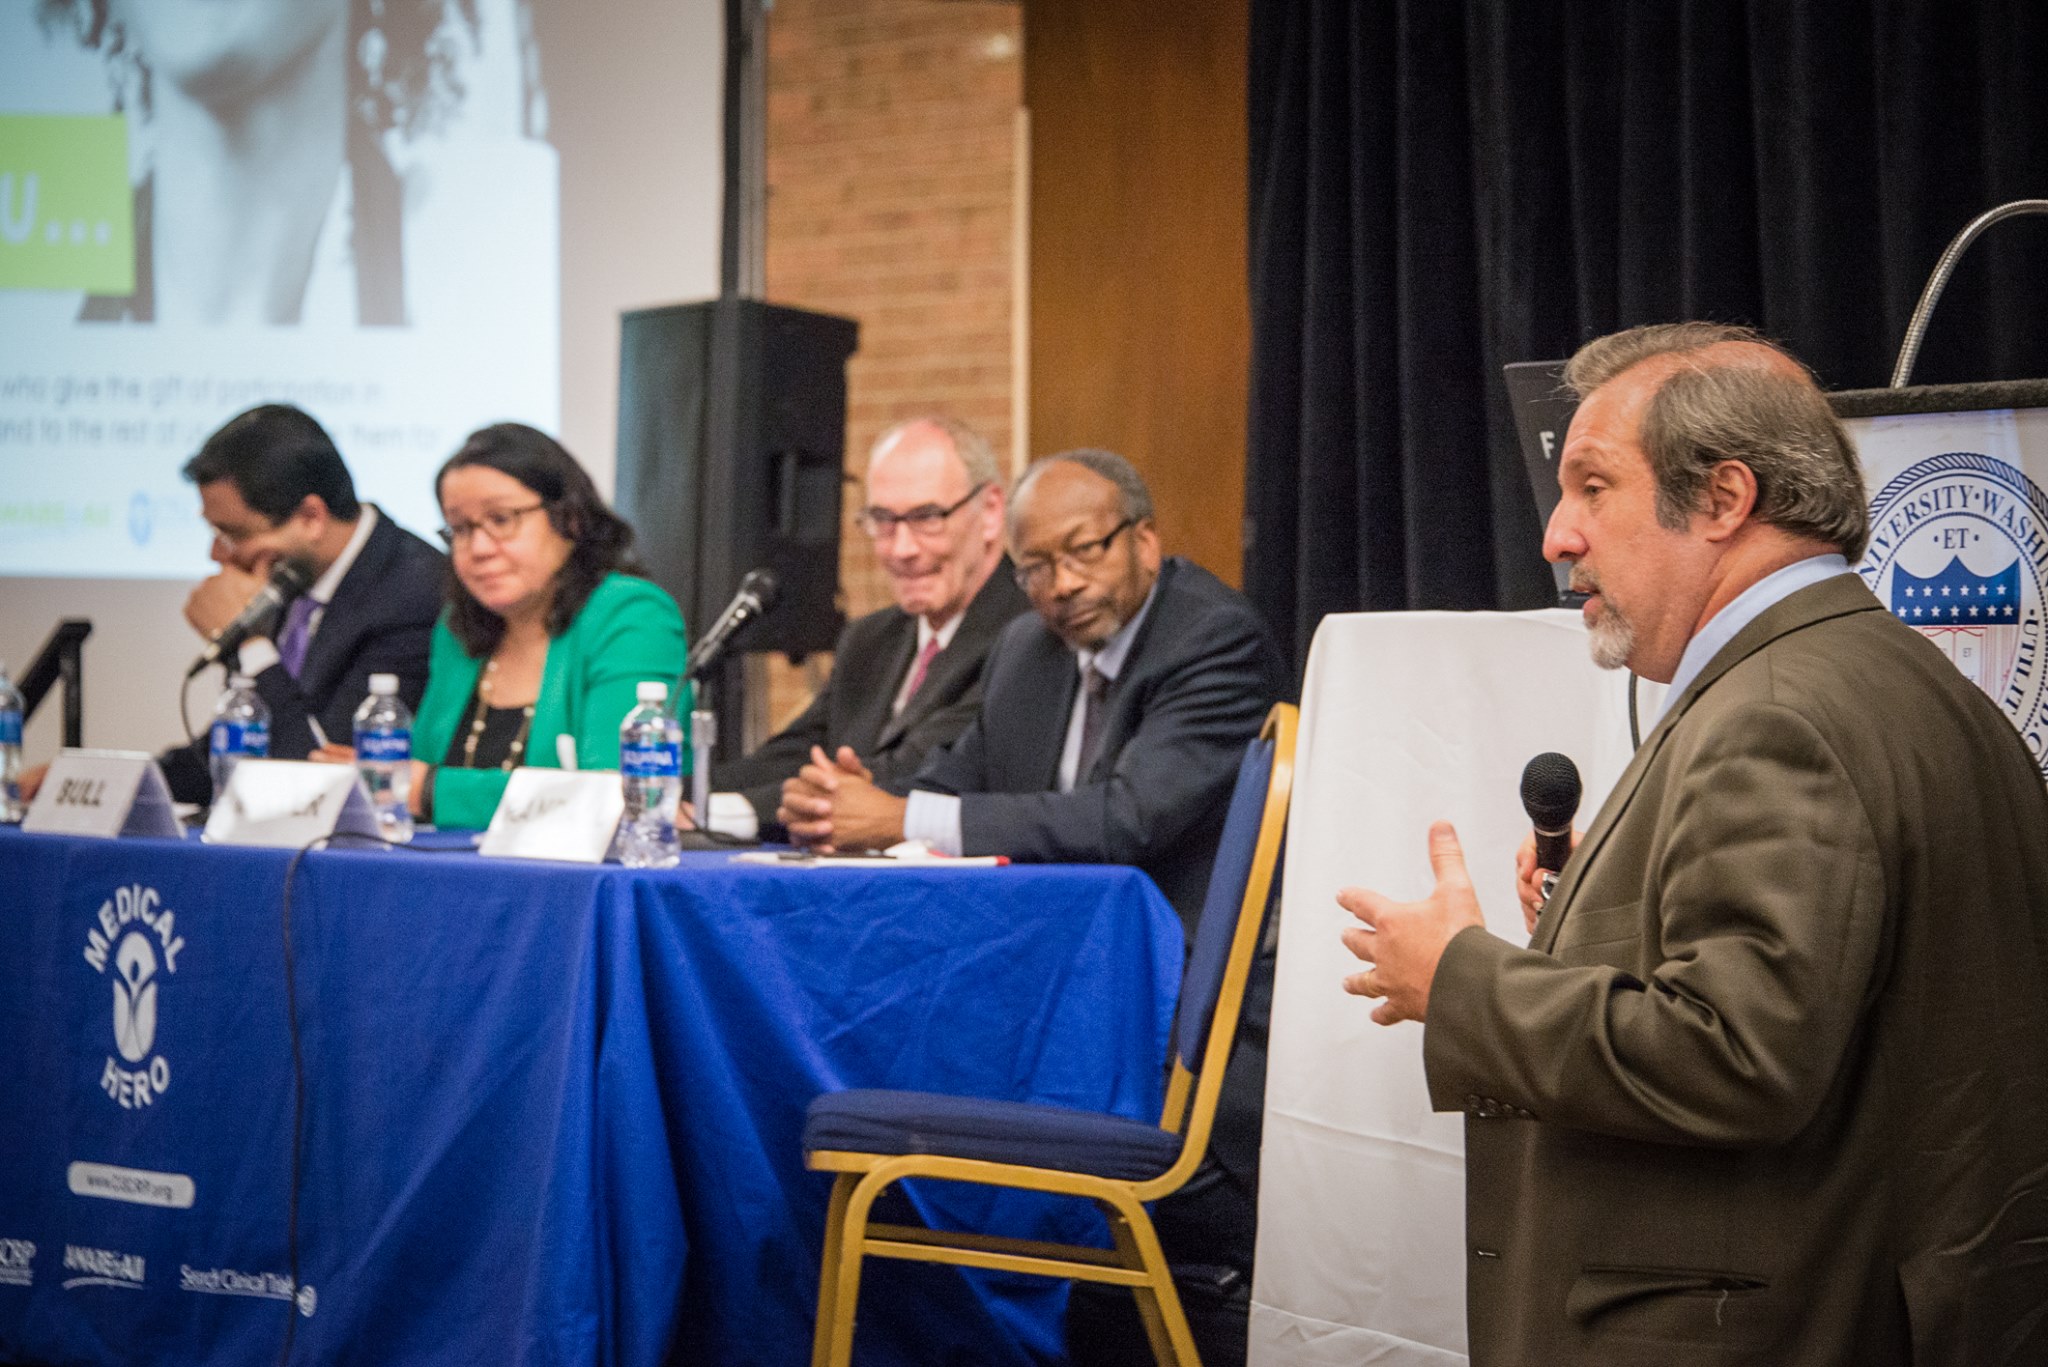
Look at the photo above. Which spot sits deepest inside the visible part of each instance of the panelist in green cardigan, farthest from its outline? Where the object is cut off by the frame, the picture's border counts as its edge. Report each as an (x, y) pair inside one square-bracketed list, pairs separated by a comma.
[(548, 629)]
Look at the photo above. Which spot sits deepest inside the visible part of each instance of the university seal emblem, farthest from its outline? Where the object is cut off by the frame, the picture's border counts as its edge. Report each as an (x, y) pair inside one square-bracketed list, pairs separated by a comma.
[(1959, 552)]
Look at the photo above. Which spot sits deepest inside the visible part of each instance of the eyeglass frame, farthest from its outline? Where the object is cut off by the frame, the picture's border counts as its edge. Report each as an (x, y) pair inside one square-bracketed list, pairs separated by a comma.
[(462, 533), (1080, 559), (930, 513)]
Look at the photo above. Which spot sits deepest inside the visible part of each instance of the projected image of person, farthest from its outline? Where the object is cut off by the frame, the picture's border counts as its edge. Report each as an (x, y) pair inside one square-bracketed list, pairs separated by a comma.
[(285, 148), (548, 630)]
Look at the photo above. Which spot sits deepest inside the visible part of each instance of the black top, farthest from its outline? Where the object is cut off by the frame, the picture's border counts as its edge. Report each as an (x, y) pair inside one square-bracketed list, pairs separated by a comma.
[(502, 726)]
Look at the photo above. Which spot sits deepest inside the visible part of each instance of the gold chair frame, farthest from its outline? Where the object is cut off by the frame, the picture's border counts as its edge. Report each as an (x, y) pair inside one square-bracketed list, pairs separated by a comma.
[(1137, 1260)]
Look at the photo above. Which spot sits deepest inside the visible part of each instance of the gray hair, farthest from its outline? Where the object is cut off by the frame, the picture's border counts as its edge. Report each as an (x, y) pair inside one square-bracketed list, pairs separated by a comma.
[(1134, 499), (1808, 480), (970, 446)]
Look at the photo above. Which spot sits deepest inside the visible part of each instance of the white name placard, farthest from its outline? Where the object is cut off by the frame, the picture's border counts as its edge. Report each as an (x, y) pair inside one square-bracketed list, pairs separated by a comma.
[(556, 814), (103, 793), (289, 803)]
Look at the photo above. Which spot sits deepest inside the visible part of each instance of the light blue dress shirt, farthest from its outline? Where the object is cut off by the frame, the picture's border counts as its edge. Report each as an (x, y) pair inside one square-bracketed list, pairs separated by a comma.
[(1745, 608)]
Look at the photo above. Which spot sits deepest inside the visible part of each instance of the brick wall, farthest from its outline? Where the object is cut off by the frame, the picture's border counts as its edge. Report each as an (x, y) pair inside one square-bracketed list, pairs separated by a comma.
[(891, 199)]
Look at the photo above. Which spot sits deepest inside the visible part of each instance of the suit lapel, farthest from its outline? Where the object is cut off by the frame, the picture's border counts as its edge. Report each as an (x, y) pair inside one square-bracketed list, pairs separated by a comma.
[(1820, 602), (1122, 698), (988, 612), (334, 644), (1057, 677), (896, 661)]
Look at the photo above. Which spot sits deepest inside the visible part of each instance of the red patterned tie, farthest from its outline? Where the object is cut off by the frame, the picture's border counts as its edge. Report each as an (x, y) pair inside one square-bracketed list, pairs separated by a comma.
[(924, 663)]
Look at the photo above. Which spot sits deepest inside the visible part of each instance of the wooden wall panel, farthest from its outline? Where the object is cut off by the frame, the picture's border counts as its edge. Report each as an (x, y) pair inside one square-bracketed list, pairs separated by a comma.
[(1140, 331)]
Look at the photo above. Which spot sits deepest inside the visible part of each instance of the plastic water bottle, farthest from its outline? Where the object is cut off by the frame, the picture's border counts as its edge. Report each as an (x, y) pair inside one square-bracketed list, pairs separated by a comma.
[(384, 756), (10, 749), (651, 767), (241, 726)]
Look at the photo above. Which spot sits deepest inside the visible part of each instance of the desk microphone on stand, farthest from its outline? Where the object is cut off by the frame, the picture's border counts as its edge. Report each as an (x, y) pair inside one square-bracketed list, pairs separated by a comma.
[(289, 578), (757, 594)]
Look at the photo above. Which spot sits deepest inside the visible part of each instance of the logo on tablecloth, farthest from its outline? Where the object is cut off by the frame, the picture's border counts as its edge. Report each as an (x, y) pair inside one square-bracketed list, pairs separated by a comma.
[(1959, 552), (17, 1262), (102, 1267), (226, 1281), (134, 943)]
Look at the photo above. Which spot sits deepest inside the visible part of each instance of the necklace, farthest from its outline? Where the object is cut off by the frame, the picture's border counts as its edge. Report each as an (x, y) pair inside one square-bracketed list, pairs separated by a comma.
[(482, 711)]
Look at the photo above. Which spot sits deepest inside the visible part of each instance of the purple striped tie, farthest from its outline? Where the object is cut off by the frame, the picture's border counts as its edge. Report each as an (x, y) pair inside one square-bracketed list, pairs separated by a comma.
[(298, 629)]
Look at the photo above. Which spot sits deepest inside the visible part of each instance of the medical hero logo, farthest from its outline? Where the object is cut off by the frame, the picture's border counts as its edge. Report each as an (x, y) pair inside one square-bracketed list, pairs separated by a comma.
[(135, 936), (1958, 551)]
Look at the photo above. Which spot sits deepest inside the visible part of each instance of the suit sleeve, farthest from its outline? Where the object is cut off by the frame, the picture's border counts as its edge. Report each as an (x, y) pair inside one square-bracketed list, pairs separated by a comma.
[(1169, 774), (943, 726), (962, 765), (759, 776), (386, 647), (1770, 895)]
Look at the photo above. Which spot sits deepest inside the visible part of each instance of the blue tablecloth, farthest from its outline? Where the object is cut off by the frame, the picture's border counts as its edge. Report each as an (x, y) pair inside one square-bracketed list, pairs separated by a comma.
[(552, 1113)]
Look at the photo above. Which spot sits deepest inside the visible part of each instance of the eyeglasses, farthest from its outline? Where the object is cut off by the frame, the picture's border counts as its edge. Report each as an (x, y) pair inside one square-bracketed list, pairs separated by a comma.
[(501, 523), (1036, 574), (235, 540), (881, 524)]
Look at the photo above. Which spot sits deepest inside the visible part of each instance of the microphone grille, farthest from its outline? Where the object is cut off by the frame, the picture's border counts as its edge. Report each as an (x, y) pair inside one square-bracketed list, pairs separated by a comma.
[(764, 586), (292, 576), (1550, 790)]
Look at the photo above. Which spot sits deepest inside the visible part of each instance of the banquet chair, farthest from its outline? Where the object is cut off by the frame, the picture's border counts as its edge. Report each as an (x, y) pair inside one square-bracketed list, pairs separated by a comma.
[(875, 1138)]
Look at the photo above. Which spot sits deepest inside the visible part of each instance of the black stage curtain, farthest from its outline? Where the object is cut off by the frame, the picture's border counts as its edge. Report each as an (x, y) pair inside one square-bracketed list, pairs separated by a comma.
[(1439, 188)]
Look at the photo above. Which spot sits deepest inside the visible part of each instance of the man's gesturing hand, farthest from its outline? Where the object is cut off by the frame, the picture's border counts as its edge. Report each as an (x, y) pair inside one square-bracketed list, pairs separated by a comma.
[(1404, 940)]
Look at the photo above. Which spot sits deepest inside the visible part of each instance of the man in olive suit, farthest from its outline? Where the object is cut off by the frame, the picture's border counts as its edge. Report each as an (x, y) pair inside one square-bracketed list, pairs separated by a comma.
[(1770, 1083)]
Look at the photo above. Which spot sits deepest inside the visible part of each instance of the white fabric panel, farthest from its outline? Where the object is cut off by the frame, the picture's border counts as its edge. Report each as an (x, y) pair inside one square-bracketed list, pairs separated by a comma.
[(1406, 718)]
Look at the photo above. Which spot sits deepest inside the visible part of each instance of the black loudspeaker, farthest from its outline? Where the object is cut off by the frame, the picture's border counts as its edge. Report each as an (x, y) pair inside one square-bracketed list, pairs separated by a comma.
[(732, 435)]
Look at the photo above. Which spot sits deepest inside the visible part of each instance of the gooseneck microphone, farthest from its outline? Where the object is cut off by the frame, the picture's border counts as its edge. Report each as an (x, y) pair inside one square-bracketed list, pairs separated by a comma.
[(757, 594), (1550, 795), (289, 578)]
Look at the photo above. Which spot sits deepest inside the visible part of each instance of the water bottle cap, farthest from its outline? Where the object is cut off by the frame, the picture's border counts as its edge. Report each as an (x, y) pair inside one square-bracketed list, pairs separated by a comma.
[(652, 691), (383, 685)]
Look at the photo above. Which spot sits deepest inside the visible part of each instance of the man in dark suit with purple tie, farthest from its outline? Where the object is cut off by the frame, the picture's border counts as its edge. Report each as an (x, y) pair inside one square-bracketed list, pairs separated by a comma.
[(272, 485)]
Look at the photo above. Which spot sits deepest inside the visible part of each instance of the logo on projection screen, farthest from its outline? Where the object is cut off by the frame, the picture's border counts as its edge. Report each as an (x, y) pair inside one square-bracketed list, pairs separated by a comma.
[(135, 936), (1959, 552)]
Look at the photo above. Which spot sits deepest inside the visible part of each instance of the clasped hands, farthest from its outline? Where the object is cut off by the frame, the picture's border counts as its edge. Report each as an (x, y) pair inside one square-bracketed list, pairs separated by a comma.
[(833, 804)]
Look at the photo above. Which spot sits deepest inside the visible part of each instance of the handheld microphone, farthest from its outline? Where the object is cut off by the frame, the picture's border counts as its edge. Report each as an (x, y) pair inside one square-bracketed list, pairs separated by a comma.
[(757, 594), (1550, 795), (289, 578)]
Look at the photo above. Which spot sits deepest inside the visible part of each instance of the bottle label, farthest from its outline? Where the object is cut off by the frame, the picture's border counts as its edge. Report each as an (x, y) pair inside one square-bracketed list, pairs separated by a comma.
[(383, 745), (664, 760), (10, 727), (239, 738)]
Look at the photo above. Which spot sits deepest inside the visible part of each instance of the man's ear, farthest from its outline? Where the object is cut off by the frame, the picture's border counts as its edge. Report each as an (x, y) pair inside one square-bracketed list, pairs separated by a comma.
[(1145, 536), (314, 507), (1729, 500)]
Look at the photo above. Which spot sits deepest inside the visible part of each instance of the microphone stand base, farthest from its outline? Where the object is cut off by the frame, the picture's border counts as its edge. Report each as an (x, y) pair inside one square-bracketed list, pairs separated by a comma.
[(706, 840)]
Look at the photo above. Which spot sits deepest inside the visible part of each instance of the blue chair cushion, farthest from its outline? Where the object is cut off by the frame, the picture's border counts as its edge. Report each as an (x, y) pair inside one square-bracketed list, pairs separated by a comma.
[(876, 1121)]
